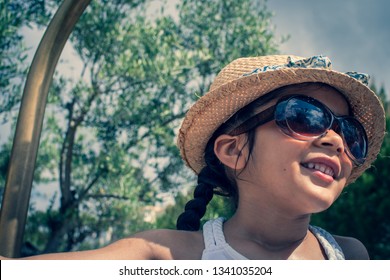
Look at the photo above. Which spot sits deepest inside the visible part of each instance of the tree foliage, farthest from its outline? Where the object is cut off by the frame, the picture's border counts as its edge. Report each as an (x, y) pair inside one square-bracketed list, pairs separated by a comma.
[(14, 15), (218, 207), (108, 142)]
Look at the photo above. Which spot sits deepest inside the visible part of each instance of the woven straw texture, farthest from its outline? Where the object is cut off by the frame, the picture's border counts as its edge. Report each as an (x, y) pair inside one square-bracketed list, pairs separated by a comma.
[(232, 91)]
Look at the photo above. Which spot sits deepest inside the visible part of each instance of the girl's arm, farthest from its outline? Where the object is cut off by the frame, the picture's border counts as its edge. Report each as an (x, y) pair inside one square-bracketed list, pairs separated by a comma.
[(133, 248), (147, 245)]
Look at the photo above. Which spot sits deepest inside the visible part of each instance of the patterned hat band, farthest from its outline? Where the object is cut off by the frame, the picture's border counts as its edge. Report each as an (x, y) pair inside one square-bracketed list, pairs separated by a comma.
[(317, 61)]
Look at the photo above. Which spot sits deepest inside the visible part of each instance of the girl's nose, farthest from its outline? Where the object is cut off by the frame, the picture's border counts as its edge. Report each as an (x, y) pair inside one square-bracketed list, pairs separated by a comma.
[(331, 140)]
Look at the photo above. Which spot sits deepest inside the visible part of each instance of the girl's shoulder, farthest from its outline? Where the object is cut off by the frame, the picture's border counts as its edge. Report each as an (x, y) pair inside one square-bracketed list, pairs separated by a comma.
[(353, 248), (170, 244)]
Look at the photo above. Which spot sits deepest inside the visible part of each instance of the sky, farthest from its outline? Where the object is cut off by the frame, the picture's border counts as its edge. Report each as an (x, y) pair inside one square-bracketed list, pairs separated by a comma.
[(354, 34)]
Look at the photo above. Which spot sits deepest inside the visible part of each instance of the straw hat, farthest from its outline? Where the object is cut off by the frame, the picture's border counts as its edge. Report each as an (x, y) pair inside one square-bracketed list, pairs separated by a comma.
[(246, 79)]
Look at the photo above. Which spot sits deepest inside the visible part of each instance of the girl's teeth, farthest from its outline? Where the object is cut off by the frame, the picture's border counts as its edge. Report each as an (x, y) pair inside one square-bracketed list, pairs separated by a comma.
[(321, 167)]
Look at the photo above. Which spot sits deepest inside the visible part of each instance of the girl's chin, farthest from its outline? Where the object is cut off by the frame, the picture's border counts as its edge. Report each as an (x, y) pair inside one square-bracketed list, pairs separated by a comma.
[(319, 196)]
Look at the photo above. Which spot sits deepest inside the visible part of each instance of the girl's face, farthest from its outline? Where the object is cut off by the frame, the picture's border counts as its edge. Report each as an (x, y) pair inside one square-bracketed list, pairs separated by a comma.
[(303, 176)]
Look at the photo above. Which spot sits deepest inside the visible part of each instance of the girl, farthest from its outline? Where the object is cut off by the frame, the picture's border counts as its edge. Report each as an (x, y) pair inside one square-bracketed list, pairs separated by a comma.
[(282, 136)]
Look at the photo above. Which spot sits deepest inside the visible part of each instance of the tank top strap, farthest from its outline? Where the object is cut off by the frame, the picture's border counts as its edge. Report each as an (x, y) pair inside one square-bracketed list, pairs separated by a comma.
[(213, 233), (332, 249)]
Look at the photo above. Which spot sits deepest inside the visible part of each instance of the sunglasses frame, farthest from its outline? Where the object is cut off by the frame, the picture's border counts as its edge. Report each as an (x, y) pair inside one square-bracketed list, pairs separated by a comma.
[(336, 123)]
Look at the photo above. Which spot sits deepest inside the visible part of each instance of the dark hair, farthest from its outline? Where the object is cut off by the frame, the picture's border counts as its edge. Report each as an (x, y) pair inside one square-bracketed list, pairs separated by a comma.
[(214, 178)]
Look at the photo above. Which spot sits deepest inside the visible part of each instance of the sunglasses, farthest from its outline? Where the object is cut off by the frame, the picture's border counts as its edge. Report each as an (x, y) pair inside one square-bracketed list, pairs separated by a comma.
[(305, 118)]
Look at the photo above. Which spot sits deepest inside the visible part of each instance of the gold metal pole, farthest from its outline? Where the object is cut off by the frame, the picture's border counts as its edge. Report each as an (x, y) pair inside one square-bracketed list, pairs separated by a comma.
[(29, 125)]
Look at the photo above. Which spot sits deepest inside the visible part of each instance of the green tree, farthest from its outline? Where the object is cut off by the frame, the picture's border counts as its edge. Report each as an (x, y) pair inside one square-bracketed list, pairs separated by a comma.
[(362, 210), (13, 16), (218, 207), (108, 142)]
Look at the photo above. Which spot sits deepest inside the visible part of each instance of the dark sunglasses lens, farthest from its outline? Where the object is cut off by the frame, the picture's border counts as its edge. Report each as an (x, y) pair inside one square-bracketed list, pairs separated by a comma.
[(355, 138), (306, 118)]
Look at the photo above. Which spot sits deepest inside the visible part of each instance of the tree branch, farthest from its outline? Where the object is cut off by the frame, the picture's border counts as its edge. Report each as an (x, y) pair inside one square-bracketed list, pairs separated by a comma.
[(147, 134), (107, 196)]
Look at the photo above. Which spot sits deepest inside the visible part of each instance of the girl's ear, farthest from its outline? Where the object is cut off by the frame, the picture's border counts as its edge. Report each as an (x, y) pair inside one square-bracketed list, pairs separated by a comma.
[(232, 151)]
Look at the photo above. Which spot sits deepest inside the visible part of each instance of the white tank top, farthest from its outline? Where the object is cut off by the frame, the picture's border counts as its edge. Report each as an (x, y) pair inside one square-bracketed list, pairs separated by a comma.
[(216, 247)]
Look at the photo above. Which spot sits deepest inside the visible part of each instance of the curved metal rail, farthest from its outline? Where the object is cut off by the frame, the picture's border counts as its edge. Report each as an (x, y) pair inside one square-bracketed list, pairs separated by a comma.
[(29, 125)]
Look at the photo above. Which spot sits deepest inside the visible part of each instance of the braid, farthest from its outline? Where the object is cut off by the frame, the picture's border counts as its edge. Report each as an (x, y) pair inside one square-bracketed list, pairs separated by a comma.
[(211, 180), (195, 209)]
